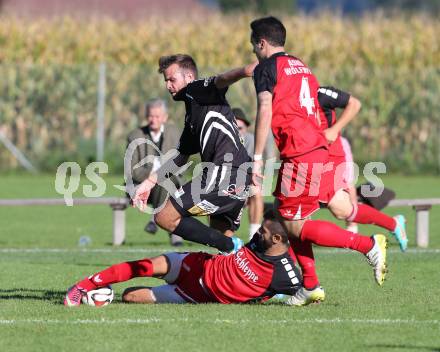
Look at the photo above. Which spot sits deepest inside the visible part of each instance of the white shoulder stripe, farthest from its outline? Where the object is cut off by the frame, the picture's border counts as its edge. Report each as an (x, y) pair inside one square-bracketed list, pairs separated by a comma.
[(329, 92), (211, 114), (219, 127)]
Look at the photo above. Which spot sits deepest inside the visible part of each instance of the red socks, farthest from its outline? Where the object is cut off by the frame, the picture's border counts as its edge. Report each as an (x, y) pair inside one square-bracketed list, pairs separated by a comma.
[(326, 234), (118, 273), (304, 255), (364, 214)]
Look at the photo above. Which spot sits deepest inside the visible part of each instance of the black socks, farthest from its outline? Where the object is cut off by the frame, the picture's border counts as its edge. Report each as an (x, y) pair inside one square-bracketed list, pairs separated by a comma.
[(193, 230)]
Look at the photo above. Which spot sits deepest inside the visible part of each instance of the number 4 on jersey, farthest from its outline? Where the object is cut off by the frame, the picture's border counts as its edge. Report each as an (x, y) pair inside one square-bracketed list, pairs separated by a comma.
[(304, 97), (306, 100)]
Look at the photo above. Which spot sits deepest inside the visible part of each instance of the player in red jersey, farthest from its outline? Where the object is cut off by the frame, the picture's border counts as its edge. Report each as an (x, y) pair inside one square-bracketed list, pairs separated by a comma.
[(287, 103), (259, 270), (334, 183)]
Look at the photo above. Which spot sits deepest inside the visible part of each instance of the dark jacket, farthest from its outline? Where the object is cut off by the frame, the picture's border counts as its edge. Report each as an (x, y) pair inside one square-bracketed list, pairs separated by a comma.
[(169, 140)]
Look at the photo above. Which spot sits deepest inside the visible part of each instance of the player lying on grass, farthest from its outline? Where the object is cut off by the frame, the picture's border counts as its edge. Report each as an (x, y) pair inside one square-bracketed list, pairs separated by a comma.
[(259, 270)]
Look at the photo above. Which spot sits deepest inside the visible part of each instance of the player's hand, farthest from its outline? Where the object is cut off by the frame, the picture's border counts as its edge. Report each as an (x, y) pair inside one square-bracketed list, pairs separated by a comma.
[(257, 173), (331, 135), (142, 194), (249, 69)]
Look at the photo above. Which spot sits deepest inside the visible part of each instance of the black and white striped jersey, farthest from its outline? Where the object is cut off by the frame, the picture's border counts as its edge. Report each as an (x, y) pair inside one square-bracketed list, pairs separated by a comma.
[(210, 127)]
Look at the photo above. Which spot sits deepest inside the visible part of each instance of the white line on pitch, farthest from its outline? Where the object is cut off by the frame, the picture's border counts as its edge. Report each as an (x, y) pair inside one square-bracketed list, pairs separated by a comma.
[(173, 249), (86, 250), (220, 321)]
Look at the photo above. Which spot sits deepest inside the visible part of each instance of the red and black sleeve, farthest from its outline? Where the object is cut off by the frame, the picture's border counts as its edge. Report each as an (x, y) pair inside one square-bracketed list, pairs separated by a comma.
[(331, 98), (265, 76)]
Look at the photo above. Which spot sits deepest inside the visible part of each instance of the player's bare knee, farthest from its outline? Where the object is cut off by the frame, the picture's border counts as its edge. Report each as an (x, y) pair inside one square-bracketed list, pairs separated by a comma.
[(168, 218), (128, 296), (340, 205), (341, 210), (161, 220), (137, 295), (341, 213)]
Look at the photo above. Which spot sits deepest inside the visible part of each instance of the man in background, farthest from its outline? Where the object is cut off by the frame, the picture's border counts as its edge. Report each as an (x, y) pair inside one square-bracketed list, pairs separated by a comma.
[(165, 137)]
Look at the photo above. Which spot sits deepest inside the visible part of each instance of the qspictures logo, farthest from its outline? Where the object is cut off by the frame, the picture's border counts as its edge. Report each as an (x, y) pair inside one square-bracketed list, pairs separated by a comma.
[(207, 177)]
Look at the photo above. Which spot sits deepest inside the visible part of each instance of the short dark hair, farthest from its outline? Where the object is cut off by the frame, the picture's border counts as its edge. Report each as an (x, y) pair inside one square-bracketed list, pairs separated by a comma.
[(269, 28), (182, 60), (275, 227), (269, 211)]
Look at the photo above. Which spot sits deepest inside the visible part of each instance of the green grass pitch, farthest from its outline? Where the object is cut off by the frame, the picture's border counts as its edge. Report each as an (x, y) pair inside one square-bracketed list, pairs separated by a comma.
[(40, 258)]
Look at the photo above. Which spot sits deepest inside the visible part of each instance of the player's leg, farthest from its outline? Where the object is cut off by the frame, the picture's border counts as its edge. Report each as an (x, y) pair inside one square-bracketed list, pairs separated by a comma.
[(351, 225), (334, 192), (138, 294), (148, 267), (152, 295), (157, 198), (303, 252), (178, 214), (184, 282), (221, 224), (311, 292), (165, 293), (178, 220), (324, 233), (342, 208), (340, 205), (298, 206), (168, 217), (228, 218), (227, 226), (327, 234), (294, 212)]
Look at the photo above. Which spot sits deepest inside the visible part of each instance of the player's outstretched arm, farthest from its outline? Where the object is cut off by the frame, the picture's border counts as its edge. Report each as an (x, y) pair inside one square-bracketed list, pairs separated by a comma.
[(227, 78), (348, 114), (144, 189)]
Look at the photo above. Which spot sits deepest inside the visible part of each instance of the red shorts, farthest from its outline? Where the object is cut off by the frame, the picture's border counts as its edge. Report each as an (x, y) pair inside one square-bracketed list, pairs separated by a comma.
[(298, 183), (334, 178), (189, 282)]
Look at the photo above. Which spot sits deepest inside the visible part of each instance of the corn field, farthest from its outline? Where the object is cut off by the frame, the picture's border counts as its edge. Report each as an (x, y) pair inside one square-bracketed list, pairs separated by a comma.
[(49, 75)]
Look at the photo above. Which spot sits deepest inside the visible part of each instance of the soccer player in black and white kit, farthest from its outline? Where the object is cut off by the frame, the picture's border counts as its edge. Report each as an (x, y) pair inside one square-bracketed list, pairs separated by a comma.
[(221, 189)]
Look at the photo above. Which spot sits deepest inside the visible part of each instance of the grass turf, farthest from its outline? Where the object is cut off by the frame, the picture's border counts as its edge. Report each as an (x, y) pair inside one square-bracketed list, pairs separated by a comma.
[(40, 258)]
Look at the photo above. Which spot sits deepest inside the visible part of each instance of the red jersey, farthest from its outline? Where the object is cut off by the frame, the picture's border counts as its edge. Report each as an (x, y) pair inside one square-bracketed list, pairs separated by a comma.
[(296, 114), (250, 275), (329, 99)]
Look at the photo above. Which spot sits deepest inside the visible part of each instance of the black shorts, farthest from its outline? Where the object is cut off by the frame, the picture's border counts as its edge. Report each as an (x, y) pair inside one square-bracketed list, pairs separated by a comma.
[(220, 193)]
